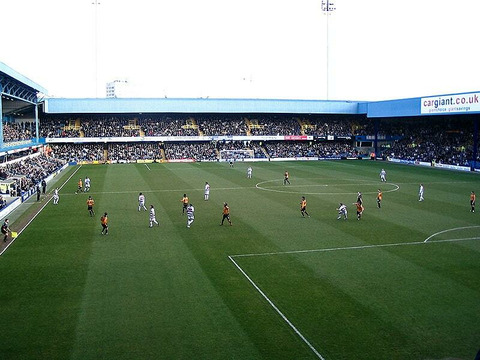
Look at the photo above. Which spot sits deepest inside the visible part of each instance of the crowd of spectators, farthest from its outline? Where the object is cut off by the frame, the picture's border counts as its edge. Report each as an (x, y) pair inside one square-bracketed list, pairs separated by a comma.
[(208, 125), (134, 151), (275, 126), (289, 149), (222, 125), (331, 125), (447, 142), (78, 152), (445, 139), (166, 126), (30, 171), (108, 127), (57, 128), (233, 145), (18, 131), (201, 151)]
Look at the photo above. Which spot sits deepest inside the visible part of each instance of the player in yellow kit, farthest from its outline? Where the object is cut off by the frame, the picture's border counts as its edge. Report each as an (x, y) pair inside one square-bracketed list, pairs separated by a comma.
[(379, 198), (303, 207), (226, 214), (90, 203), (104, 222), (80, 186)]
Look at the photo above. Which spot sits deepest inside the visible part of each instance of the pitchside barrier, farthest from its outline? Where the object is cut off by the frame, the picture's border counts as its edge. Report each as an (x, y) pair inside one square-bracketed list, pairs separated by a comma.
[(26, 195)]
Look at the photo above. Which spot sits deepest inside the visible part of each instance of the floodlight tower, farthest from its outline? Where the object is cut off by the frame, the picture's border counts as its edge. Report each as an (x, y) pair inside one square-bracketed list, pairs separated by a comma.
[(328, 7), (95, 3)]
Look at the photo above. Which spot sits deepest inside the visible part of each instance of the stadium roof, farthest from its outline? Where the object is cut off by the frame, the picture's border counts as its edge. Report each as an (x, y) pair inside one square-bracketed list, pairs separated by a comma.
[(452, 104), (167, 105), (20, 78), (18, 93)]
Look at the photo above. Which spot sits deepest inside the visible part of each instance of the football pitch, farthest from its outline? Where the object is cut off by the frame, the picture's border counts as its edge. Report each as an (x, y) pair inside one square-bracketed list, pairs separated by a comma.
[(401, 283)]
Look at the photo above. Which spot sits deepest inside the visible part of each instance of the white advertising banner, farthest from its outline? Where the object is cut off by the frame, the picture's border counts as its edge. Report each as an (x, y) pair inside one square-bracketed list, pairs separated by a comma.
[(130, 139), (459, 103)]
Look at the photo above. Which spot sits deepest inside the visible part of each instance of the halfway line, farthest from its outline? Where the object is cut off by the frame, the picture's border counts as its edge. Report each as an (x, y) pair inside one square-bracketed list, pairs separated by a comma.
[(165, 190)]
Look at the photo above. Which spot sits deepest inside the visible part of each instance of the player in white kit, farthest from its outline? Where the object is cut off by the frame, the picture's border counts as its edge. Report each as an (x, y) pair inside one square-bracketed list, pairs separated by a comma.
[(190, 215), (153, 220), (249, 172), (383, 175), (207, 191), (141, 202), (56, 197), (87, 184), (420, 193), (342, 211)]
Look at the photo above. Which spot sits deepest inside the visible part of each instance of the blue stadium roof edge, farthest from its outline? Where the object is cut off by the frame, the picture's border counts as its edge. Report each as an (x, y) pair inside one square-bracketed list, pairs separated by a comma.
[(453, 104), (199, 105), (446, 104), (21, 78)]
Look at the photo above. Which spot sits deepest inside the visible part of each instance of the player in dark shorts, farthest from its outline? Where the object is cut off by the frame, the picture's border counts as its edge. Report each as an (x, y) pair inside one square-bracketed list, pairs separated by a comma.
[(303, 207), (5, 230), (104, 222), (226, 214)]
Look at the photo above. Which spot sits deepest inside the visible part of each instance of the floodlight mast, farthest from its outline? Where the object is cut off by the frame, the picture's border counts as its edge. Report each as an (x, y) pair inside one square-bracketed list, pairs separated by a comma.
[(328, 7), (96, 3)]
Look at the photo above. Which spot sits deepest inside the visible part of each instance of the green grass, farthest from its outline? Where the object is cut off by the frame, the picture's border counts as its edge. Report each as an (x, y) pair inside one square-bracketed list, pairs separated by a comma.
[(368, 289)]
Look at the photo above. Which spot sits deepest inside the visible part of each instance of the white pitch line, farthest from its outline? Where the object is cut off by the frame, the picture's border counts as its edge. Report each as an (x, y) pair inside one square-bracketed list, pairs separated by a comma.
[(325, 250), (163, 190), (271, 188), (38, 212), (360, 247), (453, 229), (278, 310), (147, 167)]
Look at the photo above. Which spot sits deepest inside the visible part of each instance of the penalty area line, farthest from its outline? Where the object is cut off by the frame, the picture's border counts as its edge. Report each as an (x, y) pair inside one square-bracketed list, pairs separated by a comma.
[(38, 212), (270, 302), (452, 229), (360, 247), (279, 312)]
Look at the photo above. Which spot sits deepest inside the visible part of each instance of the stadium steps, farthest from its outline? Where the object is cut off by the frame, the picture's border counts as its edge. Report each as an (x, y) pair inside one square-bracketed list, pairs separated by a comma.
[(265, 152), (305, 124), (162, 154), (190, 123), (73, 125), (248, 123)]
